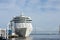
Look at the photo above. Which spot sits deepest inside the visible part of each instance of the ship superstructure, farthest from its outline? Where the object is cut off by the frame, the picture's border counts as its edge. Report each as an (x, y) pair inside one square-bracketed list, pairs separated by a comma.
[(21, 25)]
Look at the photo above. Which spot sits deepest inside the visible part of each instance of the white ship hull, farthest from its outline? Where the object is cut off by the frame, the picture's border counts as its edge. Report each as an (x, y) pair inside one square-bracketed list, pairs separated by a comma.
[(23, 29), (23, 32)]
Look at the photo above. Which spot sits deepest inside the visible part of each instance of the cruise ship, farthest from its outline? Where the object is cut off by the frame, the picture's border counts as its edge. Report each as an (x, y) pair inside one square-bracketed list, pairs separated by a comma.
[(21, 26)]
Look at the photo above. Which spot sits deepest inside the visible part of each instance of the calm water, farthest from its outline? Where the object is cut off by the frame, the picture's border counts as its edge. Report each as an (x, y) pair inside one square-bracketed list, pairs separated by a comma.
[(39, 37)]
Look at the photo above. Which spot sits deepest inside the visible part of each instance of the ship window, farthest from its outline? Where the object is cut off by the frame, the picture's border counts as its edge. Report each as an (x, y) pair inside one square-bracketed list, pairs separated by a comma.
[(28, 20)]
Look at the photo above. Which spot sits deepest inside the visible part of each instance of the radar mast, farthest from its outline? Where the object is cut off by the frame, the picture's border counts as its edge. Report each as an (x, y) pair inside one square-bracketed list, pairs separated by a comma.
[(21, 13), (59, 29)]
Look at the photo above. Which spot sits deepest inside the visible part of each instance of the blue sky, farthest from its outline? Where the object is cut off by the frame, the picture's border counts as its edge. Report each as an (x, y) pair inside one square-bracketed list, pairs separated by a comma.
[(44, 13)]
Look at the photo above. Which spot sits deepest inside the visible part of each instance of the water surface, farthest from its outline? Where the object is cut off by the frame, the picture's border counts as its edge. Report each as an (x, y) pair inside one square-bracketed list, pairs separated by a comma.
[(39, 37)]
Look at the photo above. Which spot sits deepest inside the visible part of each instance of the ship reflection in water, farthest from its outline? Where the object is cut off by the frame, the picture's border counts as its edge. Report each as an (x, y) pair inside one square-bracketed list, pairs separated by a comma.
[(39, 37), (20, 38)]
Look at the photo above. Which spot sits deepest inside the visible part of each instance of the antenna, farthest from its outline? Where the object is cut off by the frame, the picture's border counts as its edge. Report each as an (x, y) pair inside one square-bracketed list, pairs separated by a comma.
[(21, 13), (59, 29)]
